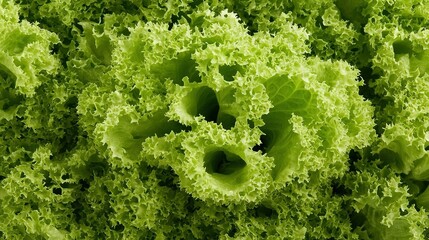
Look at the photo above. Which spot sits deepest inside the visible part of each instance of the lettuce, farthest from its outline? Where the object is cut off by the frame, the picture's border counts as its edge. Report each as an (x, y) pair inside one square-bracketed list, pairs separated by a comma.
[(213, 120)]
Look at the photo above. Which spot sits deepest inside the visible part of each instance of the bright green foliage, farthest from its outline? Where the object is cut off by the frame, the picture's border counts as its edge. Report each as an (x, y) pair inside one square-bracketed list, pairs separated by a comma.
[(214, 119), (225, 90), (380, 205), (403, 116), (25, 53)]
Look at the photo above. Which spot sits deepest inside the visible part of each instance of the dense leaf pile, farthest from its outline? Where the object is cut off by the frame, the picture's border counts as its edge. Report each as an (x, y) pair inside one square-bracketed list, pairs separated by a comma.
[(214, 120)]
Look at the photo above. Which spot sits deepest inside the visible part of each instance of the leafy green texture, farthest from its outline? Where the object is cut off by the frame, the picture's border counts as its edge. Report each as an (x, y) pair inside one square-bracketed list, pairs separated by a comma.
[(379, 203), (214, 119)]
